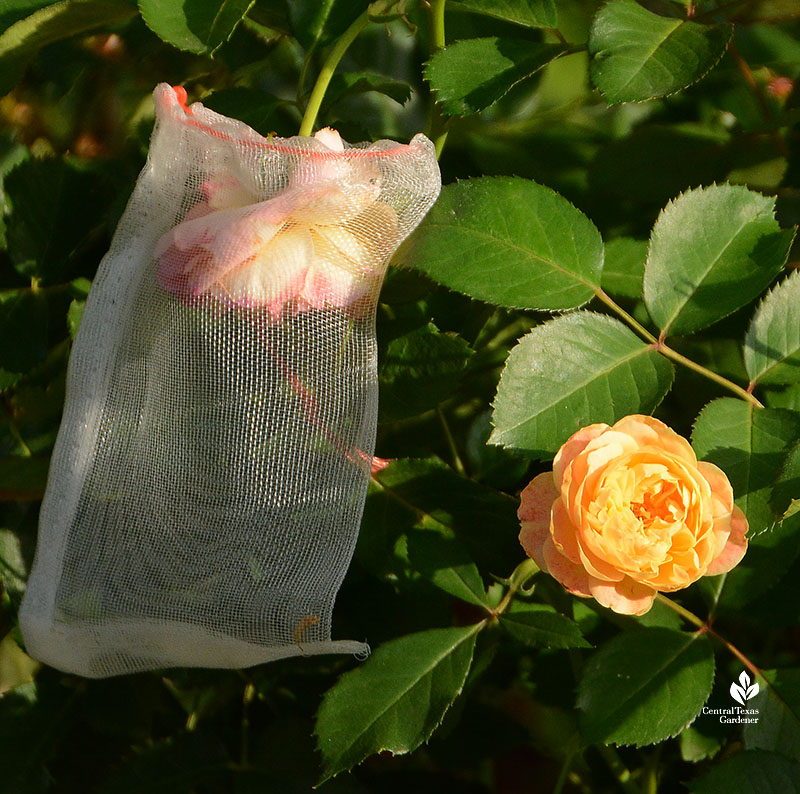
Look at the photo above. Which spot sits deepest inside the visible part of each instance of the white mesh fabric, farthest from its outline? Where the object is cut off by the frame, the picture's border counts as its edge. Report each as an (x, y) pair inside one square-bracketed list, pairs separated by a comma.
[(210, 472)]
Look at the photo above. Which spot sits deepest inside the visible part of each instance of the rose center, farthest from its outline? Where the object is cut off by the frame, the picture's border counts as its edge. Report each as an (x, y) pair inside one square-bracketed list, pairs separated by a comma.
[(661, 504)]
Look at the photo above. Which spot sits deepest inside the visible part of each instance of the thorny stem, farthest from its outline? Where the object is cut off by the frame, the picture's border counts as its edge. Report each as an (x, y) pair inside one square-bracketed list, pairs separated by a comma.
[(705, 626), (710, 374), (661, 347), (438, 126)]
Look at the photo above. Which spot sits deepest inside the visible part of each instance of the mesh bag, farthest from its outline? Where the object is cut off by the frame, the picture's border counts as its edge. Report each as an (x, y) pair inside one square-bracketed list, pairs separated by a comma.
[(210, 472)]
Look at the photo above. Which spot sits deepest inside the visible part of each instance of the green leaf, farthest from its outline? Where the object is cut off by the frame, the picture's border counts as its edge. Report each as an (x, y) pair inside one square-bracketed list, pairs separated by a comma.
[(654, 164), (316, 22), (23, 333), (637, 54), (58, 207), (750, 445), (778, 726), (712, 250), (623, 270), (347, 84), (752, 772), (531, 13), (786, 493), (462, 89), (697, 746), (426, 494), (396, 699), (23, 479), (20, 42), (13, 571), (772, 344), (645, 686), (74, 315), (773, 550), (419, 369), (570, 372), (446, 563), (175, 765), (785, 398), (254, 107), (541, 626), (508, 241), (198, 26), (14, 10)]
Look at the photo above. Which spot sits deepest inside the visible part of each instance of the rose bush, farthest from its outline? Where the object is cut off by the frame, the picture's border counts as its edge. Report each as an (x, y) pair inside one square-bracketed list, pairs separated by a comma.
[(629, 511)]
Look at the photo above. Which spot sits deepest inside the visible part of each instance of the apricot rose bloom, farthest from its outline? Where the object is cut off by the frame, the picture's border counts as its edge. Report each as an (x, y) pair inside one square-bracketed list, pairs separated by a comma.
[(629, 511)]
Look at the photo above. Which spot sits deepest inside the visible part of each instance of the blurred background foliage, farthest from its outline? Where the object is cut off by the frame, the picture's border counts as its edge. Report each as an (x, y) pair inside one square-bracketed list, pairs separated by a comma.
[(74, 130)]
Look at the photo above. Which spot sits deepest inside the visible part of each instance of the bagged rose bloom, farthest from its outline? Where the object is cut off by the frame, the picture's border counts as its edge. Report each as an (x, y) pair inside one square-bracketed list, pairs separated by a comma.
[(210, 472), (629, 511)]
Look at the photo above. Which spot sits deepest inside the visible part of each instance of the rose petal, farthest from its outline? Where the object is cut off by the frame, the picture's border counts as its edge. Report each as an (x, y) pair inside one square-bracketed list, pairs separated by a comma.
[(572, 576), (536, 502), (626, 597), (572, 446), (718, 482), (649, 431), (537, 498), (564, 532), (735, 548)]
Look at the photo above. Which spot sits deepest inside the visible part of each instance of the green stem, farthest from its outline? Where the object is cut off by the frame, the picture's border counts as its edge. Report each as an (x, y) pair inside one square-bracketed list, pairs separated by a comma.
[(14, 430), (247, 699), (519, 577), (632, 322), (618, 768), (562, 775), (684, 613), (650, 772), (326, 73), (707, 373), (438, 125), (660, 347), (458, 464)]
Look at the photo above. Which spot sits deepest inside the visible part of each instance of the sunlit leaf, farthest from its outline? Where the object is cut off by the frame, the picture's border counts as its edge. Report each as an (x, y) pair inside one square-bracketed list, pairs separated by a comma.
[(570, 372), (638, 54), (772, 344), (711, 251), (461, 89), (199, 26), (508, 241), (531, 13)]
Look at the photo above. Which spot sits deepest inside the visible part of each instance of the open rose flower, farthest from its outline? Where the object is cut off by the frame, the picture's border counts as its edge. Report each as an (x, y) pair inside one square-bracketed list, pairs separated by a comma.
[(629, 511), (321, 242)]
